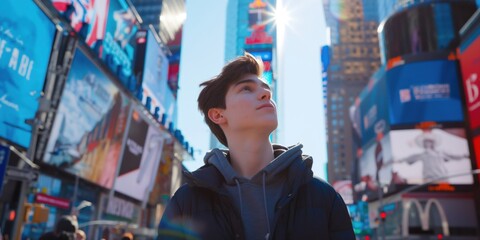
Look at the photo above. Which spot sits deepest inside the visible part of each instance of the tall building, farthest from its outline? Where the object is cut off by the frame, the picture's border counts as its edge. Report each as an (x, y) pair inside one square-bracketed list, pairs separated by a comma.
[(250, 28), (355, 56)]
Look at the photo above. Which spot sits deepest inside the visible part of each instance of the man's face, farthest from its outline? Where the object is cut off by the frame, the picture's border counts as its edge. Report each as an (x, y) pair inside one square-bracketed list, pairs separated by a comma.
[(249, 105), (428, 144)]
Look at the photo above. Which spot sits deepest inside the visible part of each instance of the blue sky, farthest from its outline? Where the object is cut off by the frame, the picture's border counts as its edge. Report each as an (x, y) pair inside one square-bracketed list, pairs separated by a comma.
[(301, 117)]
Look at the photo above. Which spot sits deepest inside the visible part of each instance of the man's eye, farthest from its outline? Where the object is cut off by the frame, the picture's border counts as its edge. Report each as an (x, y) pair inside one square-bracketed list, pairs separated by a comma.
[(246, 88)]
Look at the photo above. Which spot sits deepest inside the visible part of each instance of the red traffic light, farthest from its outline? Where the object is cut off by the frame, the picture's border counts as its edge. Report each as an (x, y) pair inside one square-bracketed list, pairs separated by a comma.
[(383, 215), (439, 236)]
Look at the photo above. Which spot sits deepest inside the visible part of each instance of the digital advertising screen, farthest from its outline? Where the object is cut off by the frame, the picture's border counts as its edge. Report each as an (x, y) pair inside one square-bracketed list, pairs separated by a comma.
[(424, 91), (141, 158), (267, 57), (376, 164), (108, 27), (87, 18), (374, 108), (155, 84), (89, 125), (420, 156), (26, 38), (470, 67), (344, 188), (120, 35)]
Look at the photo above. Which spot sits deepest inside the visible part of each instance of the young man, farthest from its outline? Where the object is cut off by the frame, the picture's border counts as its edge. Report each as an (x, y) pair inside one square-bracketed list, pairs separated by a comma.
[(254, 190)]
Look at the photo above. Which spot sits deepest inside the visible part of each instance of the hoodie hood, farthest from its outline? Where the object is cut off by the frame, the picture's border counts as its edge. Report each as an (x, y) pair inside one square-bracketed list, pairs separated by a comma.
[(284, 156), (256, 198)]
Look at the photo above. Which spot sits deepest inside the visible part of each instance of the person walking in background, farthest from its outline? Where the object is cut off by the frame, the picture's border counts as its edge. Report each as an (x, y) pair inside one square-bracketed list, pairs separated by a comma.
[(65, 229), (80, 235), (255, 189), (127, 236)]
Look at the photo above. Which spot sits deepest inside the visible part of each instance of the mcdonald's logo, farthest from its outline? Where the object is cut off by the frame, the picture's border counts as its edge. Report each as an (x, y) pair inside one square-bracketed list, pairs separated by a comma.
[(424, 213)]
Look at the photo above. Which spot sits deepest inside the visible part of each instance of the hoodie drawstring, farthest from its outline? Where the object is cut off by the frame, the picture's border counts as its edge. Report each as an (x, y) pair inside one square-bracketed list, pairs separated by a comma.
[(266, 209), (240, 195)]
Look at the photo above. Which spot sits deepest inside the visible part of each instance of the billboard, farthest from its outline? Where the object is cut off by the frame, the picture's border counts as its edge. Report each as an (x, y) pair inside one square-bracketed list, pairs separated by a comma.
[(89, 125), (87, 18), (422, 155), (470, 67), (258, 19), (141, 158), (424, 91), (374, 108), (120, 36), (344, 188), (155, 76), (375, 164), (26, 37), (108, 27), (267, 57)]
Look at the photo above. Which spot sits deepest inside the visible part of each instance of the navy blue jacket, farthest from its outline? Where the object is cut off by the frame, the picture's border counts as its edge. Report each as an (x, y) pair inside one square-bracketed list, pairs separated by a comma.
[(308, 209)]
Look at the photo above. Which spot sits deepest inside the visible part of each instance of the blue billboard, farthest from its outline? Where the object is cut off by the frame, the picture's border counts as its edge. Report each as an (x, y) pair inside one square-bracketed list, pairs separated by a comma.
[(155, 76), (26, 37), (424, 91), (87, 133), (374, 108)]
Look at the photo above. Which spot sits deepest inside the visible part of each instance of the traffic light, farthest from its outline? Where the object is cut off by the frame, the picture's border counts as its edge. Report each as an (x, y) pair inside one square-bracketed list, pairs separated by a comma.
[(383, 216)]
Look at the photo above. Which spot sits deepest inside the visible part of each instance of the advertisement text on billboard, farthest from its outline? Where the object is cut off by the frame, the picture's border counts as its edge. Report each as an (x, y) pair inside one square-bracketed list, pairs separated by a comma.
[(424, 91), (26, 37)]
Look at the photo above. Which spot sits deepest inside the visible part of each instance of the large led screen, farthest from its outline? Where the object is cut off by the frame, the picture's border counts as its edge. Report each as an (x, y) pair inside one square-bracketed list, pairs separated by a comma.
[(141, 158), (108, 27), (374, 108), (155, 83), (120, 35), (420, 156), (470, 65), (87, 134), (424, 91), (88, 19), (26, 37), (376, 164)]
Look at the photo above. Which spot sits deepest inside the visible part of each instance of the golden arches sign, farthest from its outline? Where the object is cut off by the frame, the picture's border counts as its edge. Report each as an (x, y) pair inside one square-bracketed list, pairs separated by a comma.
[(424, 213)]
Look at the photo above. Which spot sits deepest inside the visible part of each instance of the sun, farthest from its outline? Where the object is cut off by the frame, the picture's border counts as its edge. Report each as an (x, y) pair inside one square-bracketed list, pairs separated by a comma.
[(281, 16)]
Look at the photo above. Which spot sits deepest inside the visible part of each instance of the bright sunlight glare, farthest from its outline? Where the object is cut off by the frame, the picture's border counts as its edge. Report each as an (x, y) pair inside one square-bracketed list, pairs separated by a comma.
[(281, 16)]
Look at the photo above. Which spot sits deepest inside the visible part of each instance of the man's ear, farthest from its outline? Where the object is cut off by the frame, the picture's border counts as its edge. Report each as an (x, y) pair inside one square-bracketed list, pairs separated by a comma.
[(216, 115)]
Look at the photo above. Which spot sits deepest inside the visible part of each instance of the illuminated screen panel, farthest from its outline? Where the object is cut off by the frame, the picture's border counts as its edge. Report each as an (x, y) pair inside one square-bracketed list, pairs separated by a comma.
[(141, 158), (155, 79), (374, 108), (376, 164), (86, 137), (26, 37), (420, 156), (470, 67), (424, 91)]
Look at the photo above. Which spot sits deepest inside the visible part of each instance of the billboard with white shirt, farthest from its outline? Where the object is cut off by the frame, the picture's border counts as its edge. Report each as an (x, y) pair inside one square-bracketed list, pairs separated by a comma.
[(423, 155)]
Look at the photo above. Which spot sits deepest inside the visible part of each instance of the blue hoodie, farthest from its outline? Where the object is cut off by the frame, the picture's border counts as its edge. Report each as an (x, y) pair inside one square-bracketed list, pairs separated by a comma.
[(256, 198)]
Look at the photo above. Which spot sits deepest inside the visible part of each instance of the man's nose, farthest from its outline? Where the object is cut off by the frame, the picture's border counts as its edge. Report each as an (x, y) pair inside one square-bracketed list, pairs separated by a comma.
[(265, 94)]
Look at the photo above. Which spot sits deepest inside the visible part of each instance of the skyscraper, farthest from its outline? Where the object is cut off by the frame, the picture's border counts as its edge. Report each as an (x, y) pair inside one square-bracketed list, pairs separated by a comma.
[(355, 56), (250, 28)]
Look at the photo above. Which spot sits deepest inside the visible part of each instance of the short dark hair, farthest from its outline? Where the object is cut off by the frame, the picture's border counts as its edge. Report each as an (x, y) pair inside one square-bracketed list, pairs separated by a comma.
[(67, 223), (214, 91)]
